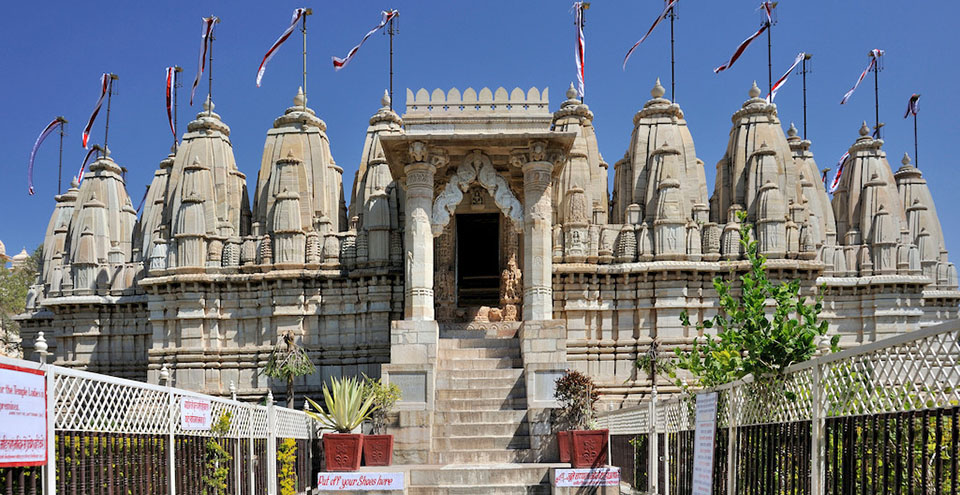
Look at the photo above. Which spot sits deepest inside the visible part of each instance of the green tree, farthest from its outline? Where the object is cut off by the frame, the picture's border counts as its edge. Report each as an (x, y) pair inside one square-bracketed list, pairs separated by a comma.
[(14, 284), (217, 458), (750, 339), (287, 361)]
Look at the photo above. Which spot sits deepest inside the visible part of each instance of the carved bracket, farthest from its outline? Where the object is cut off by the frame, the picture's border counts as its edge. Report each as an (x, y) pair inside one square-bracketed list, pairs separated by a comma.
[(476, 167)]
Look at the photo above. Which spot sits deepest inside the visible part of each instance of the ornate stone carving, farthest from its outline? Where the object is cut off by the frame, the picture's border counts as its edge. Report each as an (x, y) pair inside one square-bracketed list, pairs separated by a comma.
[(418, 151), (476, 167)]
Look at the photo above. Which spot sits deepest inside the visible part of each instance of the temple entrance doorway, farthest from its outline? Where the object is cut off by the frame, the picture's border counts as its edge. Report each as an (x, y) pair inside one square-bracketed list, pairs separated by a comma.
[(478, 259)]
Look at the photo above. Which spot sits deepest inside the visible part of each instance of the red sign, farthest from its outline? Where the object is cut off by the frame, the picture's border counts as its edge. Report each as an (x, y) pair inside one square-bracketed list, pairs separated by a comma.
[(23, 417)]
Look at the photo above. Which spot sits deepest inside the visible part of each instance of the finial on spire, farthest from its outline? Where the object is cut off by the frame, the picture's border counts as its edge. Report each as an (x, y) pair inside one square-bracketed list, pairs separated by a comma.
[(906, 159), (289, 155), (300, 100), (74, 183), (173, 149), (754, 90), (196, 160), (208, 105), (385, 101), (792, 131), (571, 92), (658, 90), (864, 130)]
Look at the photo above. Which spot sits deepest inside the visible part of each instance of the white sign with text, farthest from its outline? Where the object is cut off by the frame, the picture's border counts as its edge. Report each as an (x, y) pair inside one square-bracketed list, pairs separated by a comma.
[(704, 437), (355, 481), (23, 417), (607, 476), (195, 413)]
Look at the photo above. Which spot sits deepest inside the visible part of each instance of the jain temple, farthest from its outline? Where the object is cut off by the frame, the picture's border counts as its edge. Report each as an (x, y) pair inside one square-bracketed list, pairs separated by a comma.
[(480, 255)]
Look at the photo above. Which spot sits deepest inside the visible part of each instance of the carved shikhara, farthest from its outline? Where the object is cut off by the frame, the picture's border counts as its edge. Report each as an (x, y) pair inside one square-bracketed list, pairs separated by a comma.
[(476, 167)]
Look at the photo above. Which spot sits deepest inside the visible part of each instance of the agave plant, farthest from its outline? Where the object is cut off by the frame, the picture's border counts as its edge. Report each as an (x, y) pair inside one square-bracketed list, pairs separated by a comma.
[(347, 407)]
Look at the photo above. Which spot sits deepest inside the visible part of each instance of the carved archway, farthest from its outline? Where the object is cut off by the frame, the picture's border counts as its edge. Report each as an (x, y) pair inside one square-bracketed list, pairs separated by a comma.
[(476, 167)]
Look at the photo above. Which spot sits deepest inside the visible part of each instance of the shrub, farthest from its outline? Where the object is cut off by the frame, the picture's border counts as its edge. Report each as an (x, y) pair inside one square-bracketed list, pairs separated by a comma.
[(577, 395)]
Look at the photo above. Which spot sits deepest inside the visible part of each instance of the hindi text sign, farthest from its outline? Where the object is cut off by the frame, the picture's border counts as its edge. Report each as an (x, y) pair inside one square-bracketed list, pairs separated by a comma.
[(23, 417), (195, 413), (704, 436)]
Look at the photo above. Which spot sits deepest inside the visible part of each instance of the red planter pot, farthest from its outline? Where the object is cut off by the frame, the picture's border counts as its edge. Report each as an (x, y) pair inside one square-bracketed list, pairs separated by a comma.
[(342, 451), (563, 443), (377, 450), (589, 448)]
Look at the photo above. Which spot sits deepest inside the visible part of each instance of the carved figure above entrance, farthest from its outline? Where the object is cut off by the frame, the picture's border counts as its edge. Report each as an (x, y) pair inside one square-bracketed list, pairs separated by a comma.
[(476, 167)]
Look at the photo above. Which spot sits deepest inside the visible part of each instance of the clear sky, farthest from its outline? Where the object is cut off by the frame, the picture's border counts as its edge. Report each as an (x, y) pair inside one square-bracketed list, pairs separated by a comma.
[(54, 54)]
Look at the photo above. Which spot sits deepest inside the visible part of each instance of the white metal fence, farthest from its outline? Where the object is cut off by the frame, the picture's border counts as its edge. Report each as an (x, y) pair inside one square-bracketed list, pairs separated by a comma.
[(100, 406), (910, 373)]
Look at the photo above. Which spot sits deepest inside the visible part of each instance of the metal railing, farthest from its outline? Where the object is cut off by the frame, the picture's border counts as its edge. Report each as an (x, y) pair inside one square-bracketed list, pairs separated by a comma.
[(111, 435), (884, 414)]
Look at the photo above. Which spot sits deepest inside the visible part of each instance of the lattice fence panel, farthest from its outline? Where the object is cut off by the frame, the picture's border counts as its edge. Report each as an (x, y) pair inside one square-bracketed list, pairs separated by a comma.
[(917, 374), (109, 405), (292, 424), (632, 421)]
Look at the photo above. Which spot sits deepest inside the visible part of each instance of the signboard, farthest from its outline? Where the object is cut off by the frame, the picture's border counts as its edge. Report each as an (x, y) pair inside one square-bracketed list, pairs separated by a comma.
[(335, 482), (607, 476), (195, 413), (23, 417), (704, 438)]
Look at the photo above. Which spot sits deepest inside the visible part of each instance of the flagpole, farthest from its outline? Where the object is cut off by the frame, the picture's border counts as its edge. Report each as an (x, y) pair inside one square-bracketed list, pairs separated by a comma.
[(216, 20), (583, 22), (391, 31), (176, 84), (876, 92), (106, 128), (916, 156), (303, 30), (803, 72), (673, 90), (769, 58), (63, 122)]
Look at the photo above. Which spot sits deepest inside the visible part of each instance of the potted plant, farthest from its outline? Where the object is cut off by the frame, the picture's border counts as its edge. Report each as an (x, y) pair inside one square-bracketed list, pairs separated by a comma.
[(346, 409), (580, 445), (378, 447)]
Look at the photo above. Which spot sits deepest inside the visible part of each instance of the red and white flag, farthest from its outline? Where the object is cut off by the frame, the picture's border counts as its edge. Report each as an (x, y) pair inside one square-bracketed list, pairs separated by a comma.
[(839, 174), (874, 55), (743, 46), (578, 13), (661, 17), (823, 176), (297, 15), (767, 8), (205, 37), (33, 153), (171, 84), (386, 16), (913, 106), (104, 83), (783, 79), (83, 166)]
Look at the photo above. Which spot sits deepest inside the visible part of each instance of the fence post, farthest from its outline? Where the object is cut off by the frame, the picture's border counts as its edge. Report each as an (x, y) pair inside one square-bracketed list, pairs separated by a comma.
[(732, 426), (271, 445), (237, 462), (817, 441), (252, 468), (652, 451), (50, 470), (172, 430)]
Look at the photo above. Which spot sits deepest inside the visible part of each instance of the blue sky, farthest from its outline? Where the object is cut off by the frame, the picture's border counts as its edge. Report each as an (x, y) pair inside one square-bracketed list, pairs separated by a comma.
[(54, 55)]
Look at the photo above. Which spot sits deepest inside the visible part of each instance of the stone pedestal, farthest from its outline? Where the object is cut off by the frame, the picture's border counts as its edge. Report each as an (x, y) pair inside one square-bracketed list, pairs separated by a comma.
[(413, 359), (537, 239), (418, 242)]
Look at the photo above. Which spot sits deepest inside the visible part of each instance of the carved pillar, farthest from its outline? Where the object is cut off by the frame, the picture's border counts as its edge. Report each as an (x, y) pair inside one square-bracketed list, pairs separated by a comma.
[(537, 232), (418, 238)]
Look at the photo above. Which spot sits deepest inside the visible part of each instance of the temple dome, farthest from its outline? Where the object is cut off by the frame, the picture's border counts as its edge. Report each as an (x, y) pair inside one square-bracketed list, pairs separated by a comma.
[(584, 167), (814, 192), (297, 158), (867, 188), (923, 222), (660, 123)]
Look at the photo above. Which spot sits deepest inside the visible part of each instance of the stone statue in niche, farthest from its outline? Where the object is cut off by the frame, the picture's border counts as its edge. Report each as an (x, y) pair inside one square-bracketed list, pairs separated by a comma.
[(476, 199), (510, 289)]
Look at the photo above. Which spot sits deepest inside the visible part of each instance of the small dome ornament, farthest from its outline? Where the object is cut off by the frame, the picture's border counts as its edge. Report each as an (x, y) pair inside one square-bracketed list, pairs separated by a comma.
[(385, 101), (208, 105), (571, 92), (864, 130), (792, 131), (658, 90), (300, 100), (905, 160), (40, 346), (754, 90), (164, 374)]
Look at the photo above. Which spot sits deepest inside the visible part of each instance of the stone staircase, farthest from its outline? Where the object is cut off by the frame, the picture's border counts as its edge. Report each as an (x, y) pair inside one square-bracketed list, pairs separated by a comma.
[(480, 431)]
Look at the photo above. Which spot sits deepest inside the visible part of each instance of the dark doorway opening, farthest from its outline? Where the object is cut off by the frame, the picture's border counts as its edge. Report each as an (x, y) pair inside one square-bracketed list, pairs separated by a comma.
[(478, 259)]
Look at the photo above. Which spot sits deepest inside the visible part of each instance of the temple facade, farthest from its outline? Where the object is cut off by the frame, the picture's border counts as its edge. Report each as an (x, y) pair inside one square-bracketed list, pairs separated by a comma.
[(477, 221)]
